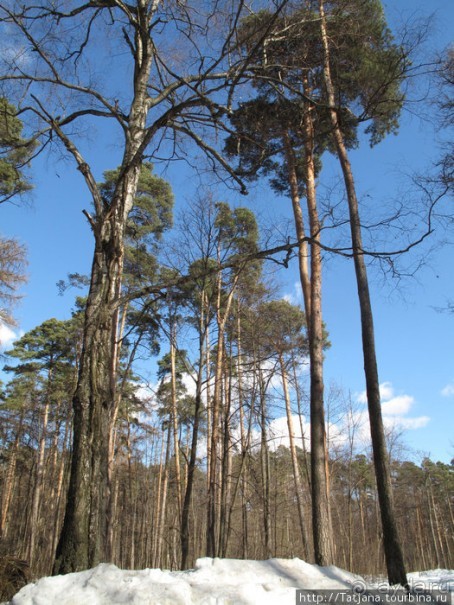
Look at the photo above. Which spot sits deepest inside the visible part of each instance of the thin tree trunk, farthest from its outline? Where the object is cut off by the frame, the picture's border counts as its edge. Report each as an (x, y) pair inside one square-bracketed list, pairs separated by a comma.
[(163, 507), (57, 496), (265, 468), (212, 514), (437, 536), (174, 414), (295, 467), (192, 463), (393, 552), (158, 499), (422, 564), (226, 484), (9, 480), (213, 491), (300, 416), (37, 490), (208, 392), (244, 444)]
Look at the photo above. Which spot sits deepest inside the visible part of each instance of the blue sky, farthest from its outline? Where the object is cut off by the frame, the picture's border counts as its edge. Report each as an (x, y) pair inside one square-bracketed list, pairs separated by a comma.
[(414, 340)]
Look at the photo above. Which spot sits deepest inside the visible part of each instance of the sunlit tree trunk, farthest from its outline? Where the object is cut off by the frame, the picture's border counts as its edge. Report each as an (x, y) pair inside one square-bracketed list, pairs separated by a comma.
[(265, 467), (301, 423), (58, 487), (295, 467), (174, 416), (38, 487), (321, 514), (9, 480), (163, 503), (226, 481), (185, 537), (244, 443), (213, 491), (299, 224)]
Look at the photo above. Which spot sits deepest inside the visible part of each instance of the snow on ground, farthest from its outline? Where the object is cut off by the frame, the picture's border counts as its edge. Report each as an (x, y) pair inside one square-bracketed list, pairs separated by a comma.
[(212, 582)]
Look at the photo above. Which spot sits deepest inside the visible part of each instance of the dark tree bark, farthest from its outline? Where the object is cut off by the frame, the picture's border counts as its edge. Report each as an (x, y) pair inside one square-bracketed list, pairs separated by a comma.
[(185, 538), (393, 552), (83, 539)]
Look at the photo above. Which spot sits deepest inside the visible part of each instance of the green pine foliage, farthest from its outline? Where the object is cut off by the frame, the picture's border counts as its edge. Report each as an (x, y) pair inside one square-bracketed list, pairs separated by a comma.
[(15, 152)]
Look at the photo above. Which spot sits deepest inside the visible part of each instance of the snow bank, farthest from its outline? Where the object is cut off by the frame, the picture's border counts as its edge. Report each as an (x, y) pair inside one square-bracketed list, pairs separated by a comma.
[(212, 582), (437, 579)]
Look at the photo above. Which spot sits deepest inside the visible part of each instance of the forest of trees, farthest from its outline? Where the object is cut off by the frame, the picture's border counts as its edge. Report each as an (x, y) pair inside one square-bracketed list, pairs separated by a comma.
[(262, 490), (93, 466)]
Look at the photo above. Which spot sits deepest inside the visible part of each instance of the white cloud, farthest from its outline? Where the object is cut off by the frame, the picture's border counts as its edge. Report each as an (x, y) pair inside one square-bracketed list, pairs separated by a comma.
[(386, 393), (295, 297), (7, 336), (395, 409), (397, 406), (409, 424), (278, 432), (448, 390), (146, 392)]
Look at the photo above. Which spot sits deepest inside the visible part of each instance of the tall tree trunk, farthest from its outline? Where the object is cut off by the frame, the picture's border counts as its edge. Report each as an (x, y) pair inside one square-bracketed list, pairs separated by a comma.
[(83, 540), (299, 223), (243, 473), (212, 512), (174, 414), (163, 505), (37, 490), (300, 417), (213, 491), (226, 483), (193, 455), (295, 467), (321, 514), (58, 492), (9, 480), (208, 387), (393, 552), (265, 467), (157, 507)]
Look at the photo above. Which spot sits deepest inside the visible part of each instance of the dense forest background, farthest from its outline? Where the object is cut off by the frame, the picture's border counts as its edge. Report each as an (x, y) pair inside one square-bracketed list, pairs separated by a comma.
[(257, 478)]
